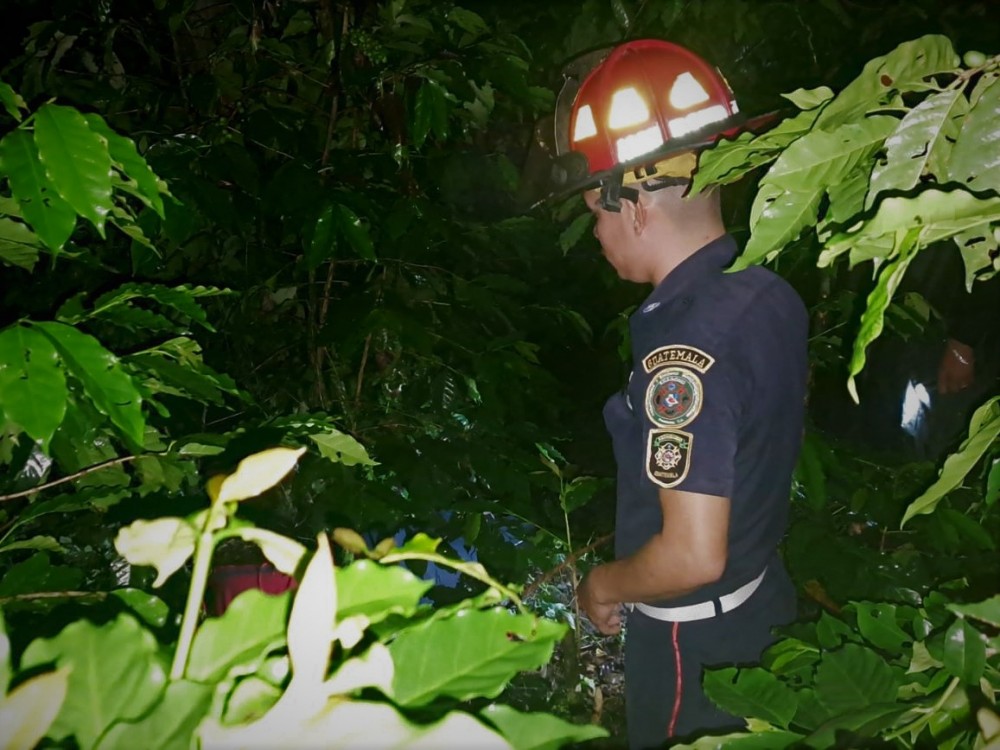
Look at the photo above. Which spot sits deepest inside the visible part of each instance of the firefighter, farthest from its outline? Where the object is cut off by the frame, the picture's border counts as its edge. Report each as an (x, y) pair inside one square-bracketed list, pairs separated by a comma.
[(707, 430)]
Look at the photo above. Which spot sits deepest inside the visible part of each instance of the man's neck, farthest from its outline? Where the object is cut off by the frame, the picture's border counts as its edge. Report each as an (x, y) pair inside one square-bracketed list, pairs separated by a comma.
[(680, 248)]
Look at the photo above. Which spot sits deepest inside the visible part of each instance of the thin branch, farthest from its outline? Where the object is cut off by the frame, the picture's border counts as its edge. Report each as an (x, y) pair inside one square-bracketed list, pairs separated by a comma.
[(99, 595), (62, 480), (568, 562)]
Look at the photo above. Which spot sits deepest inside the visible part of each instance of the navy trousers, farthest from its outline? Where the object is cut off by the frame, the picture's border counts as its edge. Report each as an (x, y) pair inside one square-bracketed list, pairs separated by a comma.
[(664, 662)]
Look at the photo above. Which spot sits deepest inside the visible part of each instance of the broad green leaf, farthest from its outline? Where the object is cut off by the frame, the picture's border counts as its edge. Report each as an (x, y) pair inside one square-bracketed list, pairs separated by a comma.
[(911, 147), (767, 739), (32, 386), (580, 491), (987, 611), (115, 675), (423, 113), (251, 627), (865, 721), (852, 678), (283, 553), (340, 448), (984, 427), (257, 473), (164, 543), (181, 298), (975, 159), (314, 614), (468, 21), (354, 231), (46, 543), (877, 623), (126, 156), (572, 234), (11, 101), (19, 246), (907, 68), (873, 318), (252, 697), (526, 731), (377, 591), (76, 160), (323, 242), (150, 608), (820, 158), (104, 380), (27, 713), (810, 98), (481, 652), (965, 652), (168, 726), (52, 218), (37, 574), (781, 215), (751, 692), (978, 247), (847, 198)]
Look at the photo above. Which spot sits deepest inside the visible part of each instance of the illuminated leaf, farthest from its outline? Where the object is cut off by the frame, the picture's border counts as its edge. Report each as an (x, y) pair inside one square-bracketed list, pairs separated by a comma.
[(126, 156), (164, 543), (965, 652), (28, 712), (336, 446), (258, 473), (974, 160)]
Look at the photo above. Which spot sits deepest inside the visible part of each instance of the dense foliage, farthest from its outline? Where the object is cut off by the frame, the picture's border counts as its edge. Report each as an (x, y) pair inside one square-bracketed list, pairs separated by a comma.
[(230, 227)]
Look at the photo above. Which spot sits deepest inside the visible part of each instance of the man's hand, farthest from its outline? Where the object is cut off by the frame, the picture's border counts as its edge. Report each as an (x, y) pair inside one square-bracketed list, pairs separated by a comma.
[(957, 369), (606, 616)]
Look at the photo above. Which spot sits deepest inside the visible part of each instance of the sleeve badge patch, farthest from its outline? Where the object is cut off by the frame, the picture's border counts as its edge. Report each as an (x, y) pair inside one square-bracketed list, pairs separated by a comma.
[(668, 456), (678, 354), (673, 397)]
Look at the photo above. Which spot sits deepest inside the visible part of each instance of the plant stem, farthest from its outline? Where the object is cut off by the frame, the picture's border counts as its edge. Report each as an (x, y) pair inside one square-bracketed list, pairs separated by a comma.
[(196, 595), (572, 572), (76, 475), (918, 725)]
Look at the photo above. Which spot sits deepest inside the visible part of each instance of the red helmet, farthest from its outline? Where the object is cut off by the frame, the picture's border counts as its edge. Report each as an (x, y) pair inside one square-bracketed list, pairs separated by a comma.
[(640, 110)]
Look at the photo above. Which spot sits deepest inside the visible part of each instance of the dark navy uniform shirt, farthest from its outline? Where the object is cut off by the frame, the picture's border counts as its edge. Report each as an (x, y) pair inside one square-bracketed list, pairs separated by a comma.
[(714, 405)]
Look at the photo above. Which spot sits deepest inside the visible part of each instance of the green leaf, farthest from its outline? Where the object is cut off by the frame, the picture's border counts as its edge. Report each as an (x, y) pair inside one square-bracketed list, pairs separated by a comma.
[(32, 386), (821, 158), (911, 148), (877, 623), (984, 427), (373, 669), (539, 731), (572, 234), (765, 739), (37, 574), (484, 651), (52, 218), (847, 198), (76, 160), (323, 243), (907, 68), (423, 113), (252, 626), (778, 217), (340, 448), (116, 675), (965, 652), (853, 677), (46, 543), (580, 491), (354, 231), (109, 387), (975, 159), (470, 22), (873, 318), (126, 156), (150, 608), (283, 553), (180, 298), (810, 98), (19, 246), (377, 591), (257, 473), (751, 692), (169, 726), (11, 101), (866, 721), (987, 611), (28, 712), (164, 543)]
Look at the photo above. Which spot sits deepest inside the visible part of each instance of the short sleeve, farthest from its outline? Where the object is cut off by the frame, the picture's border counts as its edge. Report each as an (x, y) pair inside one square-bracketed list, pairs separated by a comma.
[(689, 407)]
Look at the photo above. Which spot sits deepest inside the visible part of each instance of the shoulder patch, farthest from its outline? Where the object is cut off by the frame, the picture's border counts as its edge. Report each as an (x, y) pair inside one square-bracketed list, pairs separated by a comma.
[(668, 457), (673, 397), (678, 354)]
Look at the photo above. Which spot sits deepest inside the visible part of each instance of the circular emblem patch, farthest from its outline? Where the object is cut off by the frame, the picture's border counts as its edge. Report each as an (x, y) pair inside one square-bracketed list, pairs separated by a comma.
[(673, 397)]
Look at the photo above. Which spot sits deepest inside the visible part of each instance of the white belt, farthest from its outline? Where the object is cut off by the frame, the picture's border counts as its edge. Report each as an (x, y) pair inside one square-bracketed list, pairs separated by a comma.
[(703, 610)]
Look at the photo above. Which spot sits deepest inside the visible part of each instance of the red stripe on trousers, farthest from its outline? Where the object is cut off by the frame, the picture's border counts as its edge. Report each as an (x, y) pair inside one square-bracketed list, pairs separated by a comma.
[(679, 687)]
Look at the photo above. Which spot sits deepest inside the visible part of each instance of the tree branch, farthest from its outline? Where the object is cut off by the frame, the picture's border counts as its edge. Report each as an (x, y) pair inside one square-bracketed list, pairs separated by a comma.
[(568, 562), (62, 480)]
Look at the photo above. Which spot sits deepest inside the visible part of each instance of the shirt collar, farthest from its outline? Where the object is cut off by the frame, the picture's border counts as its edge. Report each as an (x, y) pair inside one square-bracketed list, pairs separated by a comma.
[(704, 262)]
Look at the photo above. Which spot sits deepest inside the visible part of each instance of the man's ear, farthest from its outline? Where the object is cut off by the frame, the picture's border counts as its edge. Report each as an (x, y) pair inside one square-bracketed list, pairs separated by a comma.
[(639, 210)]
